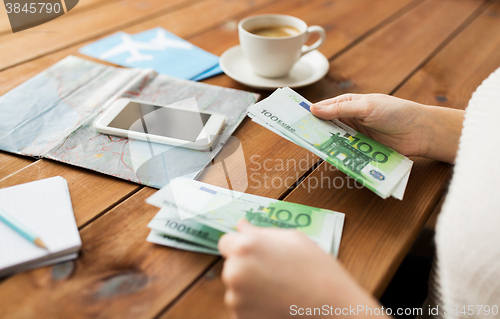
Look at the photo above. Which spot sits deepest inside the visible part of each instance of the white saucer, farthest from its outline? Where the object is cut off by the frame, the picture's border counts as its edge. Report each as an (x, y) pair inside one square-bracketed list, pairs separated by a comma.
[(309, 69)]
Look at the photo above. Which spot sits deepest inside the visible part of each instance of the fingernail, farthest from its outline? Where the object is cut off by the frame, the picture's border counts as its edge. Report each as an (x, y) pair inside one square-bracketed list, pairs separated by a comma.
[(318, 107)]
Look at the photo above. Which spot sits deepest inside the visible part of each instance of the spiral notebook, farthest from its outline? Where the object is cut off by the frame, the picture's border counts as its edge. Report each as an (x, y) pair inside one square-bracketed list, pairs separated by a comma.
[(45, 207)]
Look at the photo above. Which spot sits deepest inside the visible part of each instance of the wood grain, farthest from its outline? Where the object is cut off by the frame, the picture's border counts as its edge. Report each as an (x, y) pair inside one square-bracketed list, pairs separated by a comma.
[(89, 200), (343, 20), (118, 273), (406, 43), (382, 61), (18, 74), (450, 78), (386, 57), (203, 292), (91, 193), (4, 22), (55, 35), (275, 151), (377, 233), (374, 231), (11, 163)]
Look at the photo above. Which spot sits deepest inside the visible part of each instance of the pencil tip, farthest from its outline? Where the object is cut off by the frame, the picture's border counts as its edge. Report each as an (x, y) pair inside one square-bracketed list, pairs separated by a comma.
[(40, 243)]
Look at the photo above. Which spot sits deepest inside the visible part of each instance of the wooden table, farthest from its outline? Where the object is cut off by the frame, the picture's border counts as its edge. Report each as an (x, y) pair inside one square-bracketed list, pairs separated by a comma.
[(431, 51)]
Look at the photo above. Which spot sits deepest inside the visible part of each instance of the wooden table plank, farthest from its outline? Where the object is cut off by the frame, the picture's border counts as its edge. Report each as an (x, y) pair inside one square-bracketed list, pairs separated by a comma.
[(72, 28), (205, 294), (415, 35), (16, 75), (49, 37), (368, 19), (202, 16), (344, 21), (375, 234), (91, 193), (11, 163)]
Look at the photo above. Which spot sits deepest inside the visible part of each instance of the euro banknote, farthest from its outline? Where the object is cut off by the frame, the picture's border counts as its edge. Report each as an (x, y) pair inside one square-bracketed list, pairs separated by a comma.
[(170, 241), (376, 166), (219, 210), (167, 222)]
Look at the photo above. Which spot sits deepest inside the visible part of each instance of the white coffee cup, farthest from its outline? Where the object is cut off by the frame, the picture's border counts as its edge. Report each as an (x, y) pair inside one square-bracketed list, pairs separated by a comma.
[(274, 57)]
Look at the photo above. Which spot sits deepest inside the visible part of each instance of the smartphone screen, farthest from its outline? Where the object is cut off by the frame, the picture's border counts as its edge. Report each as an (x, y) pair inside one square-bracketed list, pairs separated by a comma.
[(162, 121)]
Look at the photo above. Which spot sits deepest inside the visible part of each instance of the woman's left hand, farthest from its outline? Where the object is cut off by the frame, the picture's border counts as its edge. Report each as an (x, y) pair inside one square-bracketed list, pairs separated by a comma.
[(272, 273)]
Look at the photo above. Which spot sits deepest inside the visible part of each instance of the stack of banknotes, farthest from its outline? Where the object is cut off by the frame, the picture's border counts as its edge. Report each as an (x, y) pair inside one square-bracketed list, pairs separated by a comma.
[(376, 166), (195, 215)]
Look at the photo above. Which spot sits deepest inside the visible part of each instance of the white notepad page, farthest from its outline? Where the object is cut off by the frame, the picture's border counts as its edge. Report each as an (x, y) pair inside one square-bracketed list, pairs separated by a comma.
[(43, 206)]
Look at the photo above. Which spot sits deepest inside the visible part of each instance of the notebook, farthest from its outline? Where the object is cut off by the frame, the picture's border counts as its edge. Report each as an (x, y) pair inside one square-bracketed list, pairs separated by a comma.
[(43, 206)]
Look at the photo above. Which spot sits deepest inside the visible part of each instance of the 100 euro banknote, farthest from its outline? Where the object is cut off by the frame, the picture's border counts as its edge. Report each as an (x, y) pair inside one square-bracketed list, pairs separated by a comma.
[(373, 164), (174, 242), (223, 209)]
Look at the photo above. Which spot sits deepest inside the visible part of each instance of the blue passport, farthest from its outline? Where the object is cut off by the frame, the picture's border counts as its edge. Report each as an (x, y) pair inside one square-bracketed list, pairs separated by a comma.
[(158, 49)]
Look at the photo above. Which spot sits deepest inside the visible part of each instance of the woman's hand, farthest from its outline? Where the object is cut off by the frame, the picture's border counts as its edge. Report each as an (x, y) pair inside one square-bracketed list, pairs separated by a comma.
[(408, 127), (272, 273)]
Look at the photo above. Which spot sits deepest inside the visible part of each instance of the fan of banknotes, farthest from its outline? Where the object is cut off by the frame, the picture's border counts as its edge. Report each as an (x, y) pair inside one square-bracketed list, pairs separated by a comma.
[(376, 166), (195, 215)]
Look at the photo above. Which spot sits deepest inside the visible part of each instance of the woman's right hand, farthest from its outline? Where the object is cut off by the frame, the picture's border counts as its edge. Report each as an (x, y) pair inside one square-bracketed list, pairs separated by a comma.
[(408, 127)]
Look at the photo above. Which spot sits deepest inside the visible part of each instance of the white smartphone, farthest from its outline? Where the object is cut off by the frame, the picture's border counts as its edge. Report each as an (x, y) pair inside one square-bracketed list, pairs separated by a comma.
[(160, 124)]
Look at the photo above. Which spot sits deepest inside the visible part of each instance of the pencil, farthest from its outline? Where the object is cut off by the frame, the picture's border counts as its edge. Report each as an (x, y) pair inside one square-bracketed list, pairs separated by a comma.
[(21, 229)]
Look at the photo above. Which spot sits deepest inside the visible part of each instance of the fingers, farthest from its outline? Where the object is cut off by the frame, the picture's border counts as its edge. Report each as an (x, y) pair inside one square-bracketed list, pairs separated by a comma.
[(342, 106), (232, 243), (239, 243), (244, 226), (235, 273), (341, 98)]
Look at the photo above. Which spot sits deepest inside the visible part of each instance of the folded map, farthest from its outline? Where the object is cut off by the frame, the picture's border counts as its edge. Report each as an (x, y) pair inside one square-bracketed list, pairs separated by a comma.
[(52, 115)]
